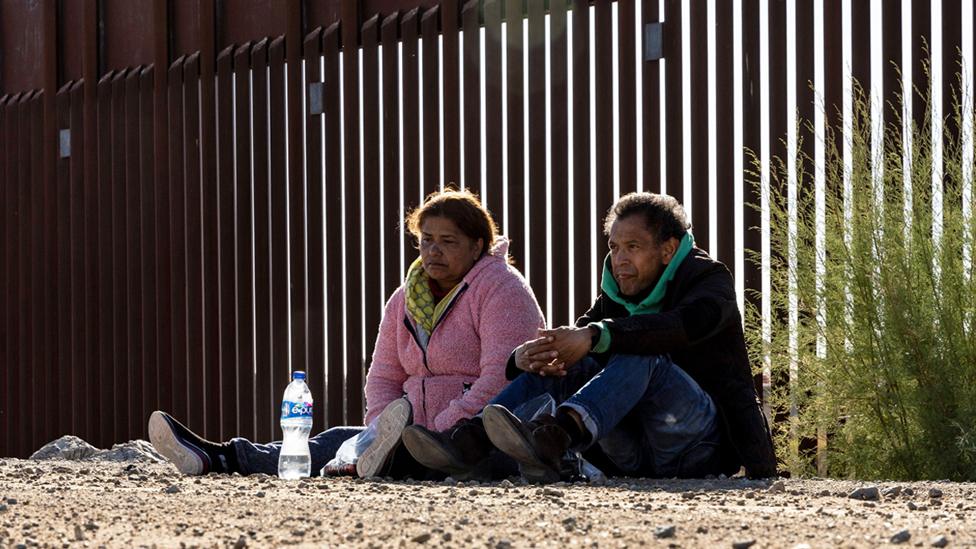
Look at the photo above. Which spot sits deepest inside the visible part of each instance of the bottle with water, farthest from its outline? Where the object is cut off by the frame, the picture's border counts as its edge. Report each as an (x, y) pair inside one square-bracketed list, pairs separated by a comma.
[(294, 461)]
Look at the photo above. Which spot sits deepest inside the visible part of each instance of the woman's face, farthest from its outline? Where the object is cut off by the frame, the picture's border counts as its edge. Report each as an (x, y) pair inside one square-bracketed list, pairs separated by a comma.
[(446, 252)]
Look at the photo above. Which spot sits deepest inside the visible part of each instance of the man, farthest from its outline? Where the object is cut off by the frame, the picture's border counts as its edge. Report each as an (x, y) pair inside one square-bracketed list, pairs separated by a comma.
[(655, 376)]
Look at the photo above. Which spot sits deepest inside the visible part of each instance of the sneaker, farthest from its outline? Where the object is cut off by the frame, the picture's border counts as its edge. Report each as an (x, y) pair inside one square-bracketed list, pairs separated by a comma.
[(461, 451), (389, 426), (191, 454), (538, 446)]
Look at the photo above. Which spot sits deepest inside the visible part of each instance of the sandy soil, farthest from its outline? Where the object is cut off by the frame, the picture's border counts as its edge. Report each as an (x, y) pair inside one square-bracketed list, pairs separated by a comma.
[(92, 504)]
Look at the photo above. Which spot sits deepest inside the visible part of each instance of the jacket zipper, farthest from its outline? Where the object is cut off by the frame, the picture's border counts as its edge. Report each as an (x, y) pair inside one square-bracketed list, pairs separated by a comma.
[(416, 338)]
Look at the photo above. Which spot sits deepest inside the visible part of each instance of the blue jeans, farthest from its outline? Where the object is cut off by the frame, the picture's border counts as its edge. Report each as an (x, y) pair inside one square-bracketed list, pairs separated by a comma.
[(646, 414), (263, 458)]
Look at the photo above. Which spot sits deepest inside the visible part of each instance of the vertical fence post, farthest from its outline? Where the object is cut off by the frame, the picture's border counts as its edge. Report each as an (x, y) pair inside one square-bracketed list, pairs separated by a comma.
[(353, 199)]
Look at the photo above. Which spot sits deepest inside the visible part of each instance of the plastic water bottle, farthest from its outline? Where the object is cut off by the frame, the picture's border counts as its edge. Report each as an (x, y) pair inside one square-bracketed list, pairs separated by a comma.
[(294, 461)]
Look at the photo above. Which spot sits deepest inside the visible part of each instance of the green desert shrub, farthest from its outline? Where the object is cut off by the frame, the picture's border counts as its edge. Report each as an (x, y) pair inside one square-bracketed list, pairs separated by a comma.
[(884, 354)]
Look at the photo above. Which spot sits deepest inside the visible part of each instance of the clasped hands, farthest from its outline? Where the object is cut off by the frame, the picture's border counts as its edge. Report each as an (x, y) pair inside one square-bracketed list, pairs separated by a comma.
[(554, 350)]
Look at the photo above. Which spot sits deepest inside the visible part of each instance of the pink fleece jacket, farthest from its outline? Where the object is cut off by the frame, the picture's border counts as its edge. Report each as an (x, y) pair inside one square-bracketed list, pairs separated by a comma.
[(464, 366)]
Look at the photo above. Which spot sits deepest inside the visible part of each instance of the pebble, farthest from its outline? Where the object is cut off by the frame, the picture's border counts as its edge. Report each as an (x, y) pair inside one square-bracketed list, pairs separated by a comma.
[(240, 543), (506, 484), (664, 531), (901, 537), (939, 541), (172, 489), (912, 506), (777, 487), (259, 494), (422, 538), (865, 493), (79, 535), (744, 544), (892, 492), (503, 544), (3, 507), (935, 493), (552, 492), (12, 501)]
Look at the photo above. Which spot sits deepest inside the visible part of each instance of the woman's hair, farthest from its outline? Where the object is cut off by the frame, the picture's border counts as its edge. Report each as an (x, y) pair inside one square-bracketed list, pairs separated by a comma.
[(463, 208)]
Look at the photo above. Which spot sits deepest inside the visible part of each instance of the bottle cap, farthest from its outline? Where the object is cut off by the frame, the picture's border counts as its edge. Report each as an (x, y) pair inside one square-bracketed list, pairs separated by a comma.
[(298, 374)]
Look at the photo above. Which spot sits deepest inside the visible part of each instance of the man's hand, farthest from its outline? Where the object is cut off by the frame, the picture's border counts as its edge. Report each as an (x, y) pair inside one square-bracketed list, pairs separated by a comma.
[(570, 343), (529, 357)]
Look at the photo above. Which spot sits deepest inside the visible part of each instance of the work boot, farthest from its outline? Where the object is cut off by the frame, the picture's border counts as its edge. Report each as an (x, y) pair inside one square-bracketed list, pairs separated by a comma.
[(390, 423), (539, 446), (191, 453), (461, 451)]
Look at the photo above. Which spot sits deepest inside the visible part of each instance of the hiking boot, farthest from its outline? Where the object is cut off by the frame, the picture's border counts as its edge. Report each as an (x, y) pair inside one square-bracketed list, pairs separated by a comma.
[(192, 454), (389, 427), (539, 446), (461, 451)]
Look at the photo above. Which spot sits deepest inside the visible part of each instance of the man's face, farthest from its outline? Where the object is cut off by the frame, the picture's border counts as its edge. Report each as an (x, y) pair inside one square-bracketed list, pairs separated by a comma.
[(636, 256)]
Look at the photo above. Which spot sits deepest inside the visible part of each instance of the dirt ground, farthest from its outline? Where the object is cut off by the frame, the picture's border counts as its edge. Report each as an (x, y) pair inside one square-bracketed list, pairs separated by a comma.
[(92, 504)]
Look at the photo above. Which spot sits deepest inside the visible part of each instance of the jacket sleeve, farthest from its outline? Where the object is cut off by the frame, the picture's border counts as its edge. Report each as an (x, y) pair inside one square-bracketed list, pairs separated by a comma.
[(708, 307), (384, 381), (509, 316)]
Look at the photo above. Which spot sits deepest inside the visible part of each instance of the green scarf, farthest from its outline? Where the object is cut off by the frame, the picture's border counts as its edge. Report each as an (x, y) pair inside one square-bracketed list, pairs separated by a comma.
[(420, 300), (651, 303)]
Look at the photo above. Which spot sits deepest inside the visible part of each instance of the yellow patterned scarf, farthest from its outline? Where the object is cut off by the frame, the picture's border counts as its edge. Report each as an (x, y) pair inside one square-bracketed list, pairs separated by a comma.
[(420, 300)]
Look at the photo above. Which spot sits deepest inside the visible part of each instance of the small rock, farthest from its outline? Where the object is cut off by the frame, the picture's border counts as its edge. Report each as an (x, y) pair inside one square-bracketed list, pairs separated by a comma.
[(892, 492), (503, 544), (912, 506), (3, 507), (12, 501), (552, 492), (422, 538), (506, 484), (172, 489), (909, 491), (259, 494), (241, 543), (744, 544), (777, 487), (935, 493), (664, 531), (939, 541), (870, 493), (901, 537), (79, 535), (298, 533)]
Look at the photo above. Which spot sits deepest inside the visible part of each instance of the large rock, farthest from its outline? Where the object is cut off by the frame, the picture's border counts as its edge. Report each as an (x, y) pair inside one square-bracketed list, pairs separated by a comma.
[(73, 448), (66, 447)]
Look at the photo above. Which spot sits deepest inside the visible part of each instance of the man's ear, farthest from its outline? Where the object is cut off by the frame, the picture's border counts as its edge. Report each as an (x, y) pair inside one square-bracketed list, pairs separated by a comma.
[(668, 248)]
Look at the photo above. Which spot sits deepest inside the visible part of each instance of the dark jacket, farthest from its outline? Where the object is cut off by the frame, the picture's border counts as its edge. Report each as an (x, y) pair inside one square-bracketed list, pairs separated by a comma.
[(699, 326)]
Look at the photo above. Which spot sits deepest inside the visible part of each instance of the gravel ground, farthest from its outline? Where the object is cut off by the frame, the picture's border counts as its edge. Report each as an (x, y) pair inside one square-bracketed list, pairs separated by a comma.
[(92, 504)]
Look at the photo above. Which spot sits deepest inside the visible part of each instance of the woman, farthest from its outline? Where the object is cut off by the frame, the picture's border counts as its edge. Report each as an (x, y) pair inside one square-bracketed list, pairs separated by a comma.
[(440, 355)]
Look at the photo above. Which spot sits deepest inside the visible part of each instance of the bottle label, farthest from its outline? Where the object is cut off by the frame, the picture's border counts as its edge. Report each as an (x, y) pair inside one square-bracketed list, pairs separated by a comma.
[(291, 410)]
